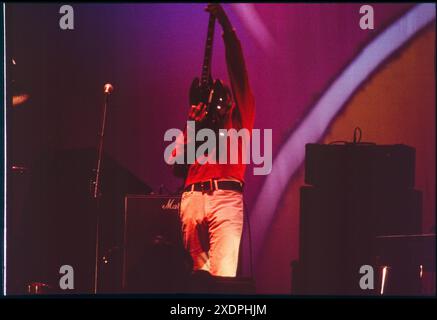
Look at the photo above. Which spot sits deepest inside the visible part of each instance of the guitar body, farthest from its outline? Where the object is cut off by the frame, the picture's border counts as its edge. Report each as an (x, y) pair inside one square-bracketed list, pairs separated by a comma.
[(215, 95)]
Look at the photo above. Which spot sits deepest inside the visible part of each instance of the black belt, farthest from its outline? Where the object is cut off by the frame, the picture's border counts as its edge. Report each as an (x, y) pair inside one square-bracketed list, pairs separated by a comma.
[(210, 185)]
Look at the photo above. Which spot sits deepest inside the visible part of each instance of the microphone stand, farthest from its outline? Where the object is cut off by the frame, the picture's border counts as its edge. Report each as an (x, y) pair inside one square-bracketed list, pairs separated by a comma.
[(96, 183)]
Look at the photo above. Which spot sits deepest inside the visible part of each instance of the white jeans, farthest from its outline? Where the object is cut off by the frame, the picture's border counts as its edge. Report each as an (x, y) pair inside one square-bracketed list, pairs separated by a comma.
[(212, 225)]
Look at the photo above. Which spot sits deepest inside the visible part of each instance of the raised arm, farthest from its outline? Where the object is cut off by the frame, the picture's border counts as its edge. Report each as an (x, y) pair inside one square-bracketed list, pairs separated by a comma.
[(236, 67)]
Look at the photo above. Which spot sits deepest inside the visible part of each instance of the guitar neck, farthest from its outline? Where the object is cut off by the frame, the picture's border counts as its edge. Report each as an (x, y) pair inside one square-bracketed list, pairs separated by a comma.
[(206, 68)]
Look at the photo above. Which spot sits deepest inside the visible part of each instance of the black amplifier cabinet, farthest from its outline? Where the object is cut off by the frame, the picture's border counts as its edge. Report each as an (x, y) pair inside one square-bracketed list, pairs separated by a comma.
[(154, 260), (375, 166), (357, 192), (338, 233)]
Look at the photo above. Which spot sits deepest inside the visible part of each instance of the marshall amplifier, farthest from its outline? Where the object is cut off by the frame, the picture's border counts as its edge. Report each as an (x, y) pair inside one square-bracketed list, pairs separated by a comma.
[(154, 260)]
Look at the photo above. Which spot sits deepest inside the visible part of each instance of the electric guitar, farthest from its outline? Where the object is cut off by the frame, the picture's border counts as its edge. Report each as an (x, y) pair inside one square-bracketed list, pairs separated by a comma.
[(212, 93)]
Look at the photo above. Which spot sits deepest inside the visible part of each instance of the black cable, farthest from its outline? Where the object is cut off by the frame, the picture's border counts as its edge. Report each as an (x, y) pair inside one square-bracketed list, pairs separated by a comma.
[(355, 140)]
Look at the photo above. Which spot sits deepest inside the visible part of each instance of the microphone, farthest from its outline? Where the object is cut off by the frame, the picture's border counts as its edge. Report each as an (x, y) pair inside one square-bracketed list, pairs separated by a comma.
[(108, 88)]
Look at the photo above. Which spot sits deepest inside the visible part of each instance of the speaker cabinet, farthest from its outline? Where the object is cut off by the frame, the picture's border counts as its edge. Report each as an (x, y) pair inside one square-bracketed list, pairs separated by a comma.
[(338, 232), (341, 166), (154, 258), (358, 192)]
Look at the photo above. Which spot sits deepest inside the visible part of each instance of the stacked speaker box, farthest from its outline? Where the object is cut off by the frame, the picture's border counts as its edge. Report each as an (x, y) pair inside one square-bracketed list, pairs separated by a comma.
[(355, 193)]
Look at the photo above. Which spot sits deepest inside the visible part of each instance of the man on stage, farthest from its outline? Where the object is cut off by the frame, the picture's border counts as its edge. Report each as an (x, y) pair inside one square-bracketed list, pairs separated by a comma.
[(212, 202)]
